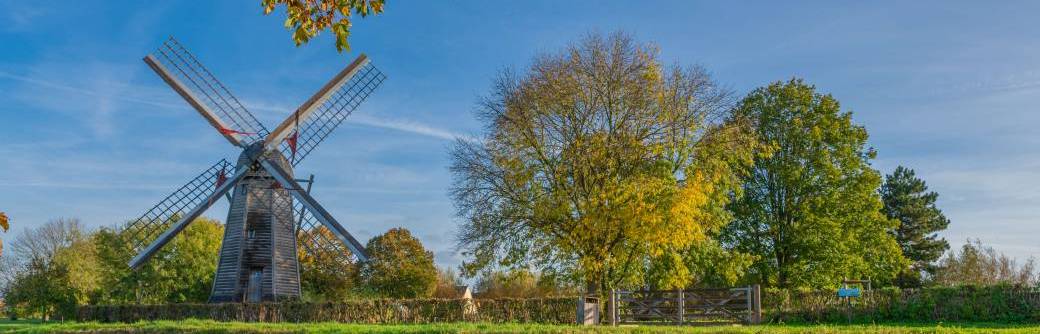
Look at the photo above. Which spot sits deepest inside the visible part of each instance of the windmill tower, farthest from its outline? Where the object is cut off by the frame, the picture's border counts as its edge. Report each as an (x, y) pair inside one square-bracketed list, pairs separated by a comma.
[(270, 212)]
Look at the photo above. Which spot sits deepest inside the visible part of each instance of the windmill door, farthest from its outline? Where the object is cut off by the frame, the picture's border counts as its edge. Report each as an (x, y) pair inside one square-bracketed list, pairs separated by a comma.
[(253, 293)]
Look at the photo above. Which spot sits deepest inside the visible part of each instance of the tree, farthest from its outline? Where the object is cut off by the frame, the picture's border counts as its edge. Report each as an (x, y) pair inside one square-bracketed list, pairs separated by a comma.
[(42, 288), (399, 266), (908, 201), (47, 278), (978, 264), (710, 265), (307, 18), (79, 262), (597, 161), (520, 283), (325, 275), (42, 243), (180, 272), (4, 225), (811, 210), (448, 282)]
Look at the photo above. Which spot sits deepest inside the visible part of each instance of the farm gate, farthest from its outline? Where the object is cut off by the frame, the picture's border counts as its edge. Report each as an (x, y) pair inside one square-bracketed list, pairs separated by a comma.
[(686, 307)]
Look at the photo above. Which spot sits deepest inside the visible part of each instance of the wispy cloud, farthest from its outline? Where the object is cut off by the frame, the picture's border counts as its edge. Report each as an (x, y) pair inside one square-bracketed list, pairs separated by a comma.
[(94, 92), (410, 127), (106, 98), (397, 124)]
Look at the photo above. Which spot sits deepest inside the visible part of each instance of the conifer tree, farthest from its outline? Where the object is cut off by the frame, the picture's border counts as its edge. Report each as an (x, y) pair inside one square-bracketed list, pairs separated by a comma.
[(908, 200)]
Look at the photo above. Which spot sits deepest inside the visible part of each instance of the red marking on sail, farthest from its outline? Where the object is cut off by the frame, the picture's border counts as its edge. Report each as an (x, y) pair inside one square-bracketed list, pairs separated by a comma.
[(292, 143), (276, 185), (229, 132), (221, 178)]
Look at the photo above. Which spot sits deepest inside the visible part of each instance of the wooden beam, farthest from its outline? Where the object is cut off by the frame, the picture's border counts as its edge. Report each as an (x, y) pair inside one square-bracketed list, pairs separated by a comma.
[(312, 205), (193, 100), (164, 238), (283, 130)]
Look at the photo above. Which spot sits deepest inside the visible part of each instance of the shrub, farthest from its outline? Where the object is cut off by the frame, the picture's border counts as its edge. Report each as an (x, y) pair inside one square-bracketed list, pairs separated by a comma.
[(1003, 303), (374, 311)]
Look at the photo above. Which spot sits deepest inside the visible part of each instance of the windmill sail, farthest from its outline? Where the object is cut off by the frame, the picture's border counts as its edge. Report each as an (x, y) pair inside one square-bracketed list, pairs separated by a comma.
[(317, 243), (145, 229), (314, 121), (314, 208), (182, 71), (271, 220)]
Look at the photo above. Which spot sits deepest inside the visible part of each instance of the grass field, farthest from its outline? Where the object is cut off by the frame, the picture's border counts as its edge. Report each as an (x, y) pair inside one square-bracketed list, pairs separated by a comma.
[(200, 326)]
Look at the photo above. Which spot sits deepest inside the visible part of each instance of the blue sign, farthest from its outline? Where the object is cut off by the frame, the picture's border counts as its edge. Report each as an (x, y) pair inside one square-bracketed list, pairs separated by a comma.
[(848, 292)]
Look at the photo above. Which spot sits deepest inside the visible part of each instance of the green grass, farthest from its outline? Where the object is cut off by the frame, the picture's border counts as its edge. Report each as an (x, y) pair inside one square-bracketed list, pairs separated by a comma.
[(206, 326)]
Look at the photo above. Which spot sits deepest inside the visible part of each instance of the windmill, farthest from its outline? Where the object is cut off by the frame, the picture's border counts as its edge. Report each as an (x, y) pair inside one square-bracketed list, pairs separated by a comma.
[(269, 209)]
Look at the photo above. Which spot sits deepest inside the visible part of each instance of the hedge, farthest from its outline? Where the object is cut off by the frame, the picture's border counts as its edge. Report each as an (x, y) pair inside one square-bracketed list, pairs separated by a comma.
[(379, 311), (962, 304)]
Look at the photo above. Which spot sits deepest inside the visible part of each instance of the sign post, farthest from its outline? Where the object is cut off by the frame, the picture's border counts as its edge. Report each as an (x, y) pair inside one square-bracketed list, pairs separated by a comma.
[(848, 293)]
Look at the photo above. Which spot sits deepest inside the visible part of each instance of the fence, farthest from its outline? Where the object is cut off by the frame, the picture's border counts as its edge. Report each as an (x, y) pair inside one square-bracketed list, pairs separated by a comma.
[(685, 307), (536, 310)]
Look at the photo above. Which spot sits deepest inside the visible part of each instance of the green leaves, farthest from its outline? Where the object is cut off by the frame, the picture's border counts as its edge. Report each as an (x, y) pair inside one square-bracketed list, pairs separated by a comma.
[(810, 210), (598, 161), (399, 266), (306, 19), (908, 201), (181, 272)]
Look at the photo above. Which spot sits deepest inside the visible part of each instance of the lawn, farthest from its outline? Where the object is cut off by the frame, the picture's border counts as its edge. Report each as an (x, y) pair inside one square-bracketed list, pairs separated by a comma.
[(201, 326)]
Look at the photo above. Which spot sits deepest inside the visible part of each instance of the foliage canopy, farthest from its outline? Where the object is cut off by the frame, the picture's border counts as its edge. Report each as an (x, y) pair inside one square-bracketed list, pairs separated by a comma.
[(908, 201), (324, 274), (596, 162), (978, 264), (308, 18), (399, 266), (811, 210)]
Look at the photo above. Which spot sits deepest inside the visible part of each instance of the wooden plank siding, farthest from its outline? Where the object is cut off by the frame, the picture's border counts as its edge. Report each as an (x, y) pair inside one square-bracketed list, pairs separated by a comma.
[(259, 235)]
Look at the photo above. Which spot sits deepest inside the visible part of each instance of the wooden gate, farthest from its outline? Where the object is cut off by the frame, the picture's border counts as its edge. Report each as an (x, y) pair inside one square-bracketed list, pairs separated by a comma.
[(686, 307)]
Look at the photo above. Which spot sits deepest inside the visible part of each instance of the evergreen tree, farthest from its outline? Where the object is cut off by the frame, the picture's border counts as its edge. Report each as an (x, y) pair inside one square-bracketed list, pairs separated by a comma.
[(908, 200)]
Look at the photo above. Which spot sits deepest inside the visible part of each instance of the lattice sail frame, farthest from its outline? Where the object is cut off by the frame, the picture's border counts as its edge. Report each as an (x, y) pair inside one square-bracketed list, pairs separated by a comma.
[(315, 239), (309, 132), (331, 113), (182, 64), (145, 229)]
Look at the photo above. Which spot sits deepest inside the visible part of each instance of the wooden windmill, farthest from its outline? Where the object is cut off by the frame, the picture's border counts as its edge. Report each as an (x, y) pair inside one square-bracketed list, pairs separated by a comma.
[(270, 212)]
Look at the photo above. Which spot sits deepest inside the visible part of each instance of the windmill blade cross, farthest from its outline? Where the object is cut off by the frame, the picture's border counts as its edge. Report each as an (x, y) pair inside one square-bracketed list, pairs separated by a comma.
[(319, 212), (165, 238), (186, 75)]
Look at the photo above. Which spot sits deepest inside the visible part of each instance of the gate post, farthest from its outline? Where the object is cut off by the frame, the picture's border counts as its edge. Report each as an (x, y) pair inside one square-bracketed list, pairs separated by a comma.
[(682, 305), (756, 297), (612, 307)]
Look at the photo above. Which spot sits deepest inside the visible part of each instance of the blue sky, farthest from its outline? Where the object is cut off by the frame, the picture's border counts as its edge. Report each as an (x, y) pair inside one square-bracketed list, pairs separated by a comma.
[(947, 88)]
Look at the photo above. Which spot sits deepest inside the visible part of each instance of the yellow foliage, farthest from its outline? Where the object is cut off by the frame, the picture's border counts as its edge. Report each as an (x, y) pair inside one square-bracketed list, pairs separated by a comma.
[(598, 160)]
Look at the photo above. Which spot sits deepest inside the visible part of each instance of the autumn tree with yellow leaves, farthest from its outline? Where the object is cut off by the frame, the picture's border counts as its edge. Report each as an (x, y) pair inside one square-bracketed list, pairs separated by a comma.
[(308, 18), (600, 164), (4, 225)]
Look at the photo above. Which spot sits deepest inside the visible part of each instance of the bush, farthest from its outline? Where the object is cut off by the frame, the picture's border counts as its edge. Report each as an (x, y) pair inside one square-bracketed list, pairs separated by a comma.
[(376, 311), (1001, 303)]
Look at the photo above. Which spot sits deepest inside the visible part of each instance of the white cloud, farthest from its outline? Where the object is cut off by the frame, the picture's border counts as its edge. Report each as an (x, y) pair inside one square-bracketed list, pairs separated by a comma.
[(408, 126), (108, 90)]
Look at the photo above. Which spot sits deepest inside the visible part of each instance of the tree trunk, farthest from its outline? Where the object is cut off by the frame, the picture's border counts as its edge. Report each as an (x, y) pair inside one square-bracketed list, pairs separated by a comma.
[(591, 288)]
